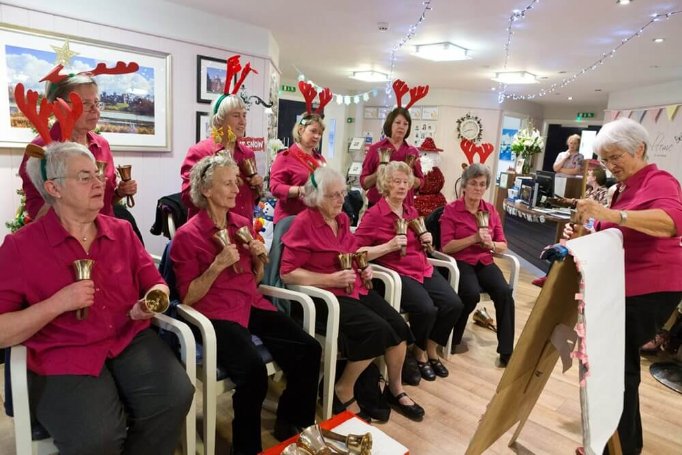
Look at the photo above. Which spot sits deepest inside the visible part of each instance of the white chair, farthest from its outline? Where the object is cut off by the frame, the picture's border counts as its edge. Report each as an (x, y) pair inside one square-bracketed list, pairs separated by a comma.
[(207, 371), (22, 418)]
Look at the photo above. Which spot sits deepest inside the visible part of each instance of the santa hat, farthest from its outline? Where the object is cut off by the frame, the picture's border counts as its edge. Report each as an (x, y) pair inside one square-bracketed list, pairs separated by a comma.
[(429, 146)]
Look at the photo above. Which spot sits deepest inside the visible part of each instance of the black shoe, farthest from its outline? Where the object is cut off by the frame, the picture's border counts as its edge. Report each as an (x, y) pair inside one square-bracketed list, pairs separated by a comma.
[(338, 407), (412, 412), (411, 375), (284, 430), (426, 371), (439, 368), (504, 360)]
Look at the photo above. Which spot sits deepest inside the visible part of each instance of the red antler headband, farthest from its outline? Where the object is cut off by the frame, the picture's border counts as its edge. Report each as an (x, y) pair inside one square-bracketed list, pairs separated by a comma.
[(120, 68), (416, 93), (233, 68), (309, 93)]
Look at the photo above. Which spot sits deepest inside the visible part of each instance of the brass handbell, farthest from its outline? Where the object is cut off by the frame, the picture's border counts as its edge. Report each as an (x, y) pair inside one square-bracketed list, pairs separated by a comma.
[(346, 262), (385, 155), (358, 444), (101, 169), (156, 301), (362, 263), (248, 167), (222, 237), (578, 227), (312, 442), (482, 219), (83, 271), (418, 225), (244, 236), (401, 229), (410, 159), (126, 173), (482, 318)]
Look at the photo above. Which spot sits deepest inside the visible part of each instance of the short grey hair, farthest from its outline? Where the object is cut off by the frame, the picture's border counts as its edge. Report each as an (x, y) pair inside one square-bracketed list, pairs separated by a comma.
[(622, 134), (476, 170), (227, 105), (323, 177), (305, 122), (57, 155), (201, 176), (387, 172), (575, 137), (67, 85)]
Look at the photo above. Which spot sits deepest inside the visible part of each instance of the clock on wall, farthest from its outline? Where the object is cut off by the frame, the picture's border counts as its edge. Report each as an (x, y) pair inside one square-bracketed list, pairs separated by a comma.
[(469, 127)]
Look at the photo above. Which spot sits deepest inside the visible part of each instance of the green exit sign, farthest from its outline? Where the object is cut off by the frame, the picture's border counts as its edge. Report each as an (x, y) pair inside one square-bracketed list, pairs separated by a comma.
[(584, 115), (288, 88)]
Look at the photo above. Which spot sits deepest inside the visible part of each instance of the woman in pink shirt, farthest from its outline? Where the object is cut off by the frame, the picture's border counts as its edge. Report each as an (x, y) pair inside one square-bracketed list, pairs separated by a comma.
[(432, 304), (396, 130), (473, 248), (369, 326), (105, 383), (293, 167), (208, 281), (647, 208)]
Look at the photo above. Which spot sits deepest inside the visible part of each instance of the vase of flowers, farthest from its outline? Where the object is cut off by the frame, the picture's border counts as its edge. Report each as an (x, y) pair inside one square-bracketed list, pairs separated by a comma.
[(526, 144)]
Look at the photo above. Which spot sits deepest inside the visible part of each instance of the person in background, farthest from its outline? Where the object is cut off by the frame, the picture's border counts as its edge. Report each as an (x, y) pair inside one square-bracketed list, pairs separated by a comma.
[(107, 384), (647, 209), (433, 306), (473, 248), (570, 162), (207, 281)]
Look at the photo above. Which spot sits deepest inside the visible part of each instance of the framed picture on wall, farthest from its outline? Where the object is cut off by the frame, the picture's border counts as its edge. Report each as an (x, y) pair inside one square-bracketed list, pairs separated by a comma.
[(416, 113), (202, 129), (211, 74), (430, 113), (136, 115), (370, 113)]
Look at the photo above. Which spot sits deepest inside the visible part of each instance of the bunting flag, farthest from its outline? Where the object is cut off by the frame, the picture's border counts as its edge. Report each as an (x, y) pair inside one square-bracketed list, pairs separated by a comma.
[(671, 111), (627, 114), (657, 113), (639, 115), (615, 116)]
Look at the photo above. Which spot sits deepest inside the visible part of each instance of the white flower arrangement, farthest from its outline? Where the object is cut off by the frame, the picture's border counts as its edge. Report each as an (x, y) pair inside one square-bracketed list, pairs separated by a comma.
[(274, 146), (527, 143)]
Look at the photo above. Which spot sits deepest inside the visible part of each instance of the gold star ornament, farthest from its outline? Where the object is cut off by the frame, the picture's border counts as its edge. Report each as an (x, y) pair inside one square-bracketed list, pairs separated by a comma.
[(64, 54)]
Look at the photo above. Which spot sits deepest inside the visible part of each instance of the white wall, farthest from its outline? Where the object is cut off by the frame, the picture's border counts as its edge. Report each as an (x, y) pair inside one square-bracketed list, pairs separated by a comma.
[(649, 96), (157, 173)]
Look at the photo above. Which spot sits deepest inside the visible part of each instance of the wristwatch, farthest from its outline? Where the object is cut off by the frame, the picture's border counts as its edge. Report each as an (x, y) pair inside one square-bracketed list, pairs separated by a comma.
[(623, 217)]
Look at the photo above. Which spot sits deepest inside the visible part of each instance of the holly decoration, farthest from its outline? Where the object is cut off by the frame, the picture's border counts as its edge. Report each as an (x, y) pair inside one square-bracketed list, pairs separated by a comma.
[(21, 218)]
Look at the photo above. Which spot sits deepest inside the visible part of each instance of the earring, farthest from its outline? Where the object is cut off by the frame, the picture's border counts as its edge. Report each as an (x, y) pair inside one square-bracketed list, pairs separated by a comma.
[(217, 135)]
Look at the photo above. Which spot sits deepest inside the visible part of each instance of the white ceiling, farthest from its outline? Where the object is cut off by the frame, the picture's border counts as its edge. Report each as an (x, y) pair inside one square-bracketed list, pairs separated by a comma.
[(327, 40)]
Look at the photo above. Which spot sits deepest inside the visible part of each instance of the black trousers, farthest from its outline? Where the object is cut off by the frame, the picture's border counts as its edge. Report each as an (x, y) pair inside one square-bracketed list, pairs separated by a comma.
[(144, 389), (644, 316), (487, 278), (434, 308), (296, 352)]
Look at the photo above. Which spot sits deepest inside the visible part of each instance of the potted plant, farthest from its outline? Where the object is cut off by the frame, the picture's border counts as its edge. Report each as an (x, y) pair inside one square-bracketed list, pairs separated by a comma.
[(526, 144)]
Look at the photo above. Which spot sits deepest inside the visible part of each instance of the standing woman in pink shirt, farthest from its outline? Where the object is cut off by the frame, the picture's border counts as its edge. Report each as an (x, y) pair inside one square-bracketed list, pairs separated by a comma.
[(473, 248), (647, 208)]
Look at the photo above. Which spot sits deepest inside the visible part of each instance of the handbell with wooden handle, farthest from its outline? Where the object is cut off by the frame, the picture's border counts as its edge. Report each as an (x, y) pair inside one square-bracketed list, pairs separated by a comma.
[(244, 236), (222, 237), (358, 444), (155, 301), (83, 270), (312, 442), (385, 155), (401, 229), (361, 261), (418, 225), (346, 262), (126, 173), (482, 318)]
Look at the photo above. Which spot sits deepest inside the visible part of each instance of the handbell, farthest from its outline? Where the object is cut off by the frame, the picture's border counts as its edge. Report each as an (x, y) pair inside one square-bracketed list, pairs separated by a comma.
[(126, 173), (358, 444), (222, 237), (312, 442), (482, 318), (482, 219), (410, 159), (248, 167), (101, 169), (83, 271), (418, 225), (401, 229), (156, 301), (346, 262), (244, 236), (385, 155), (361, 261)]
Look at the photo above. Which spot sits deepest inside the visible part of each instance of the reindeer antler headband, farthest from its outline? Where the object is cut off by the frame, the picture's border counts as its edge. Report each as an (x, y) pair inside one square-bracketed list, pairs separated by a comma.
[(309, 93), (55, 77), (416, 93), (233, 68)]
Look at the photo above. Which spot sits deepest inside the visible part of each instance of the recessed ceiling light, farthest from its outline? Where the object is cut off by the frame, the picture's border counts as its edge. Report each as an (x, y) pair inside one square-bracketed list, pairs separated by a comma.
[(570, 98), (623, 2), (516, 77), (658, 40), (597, 90), (370, 76), (441, 52), (493, 88), (563, 72)]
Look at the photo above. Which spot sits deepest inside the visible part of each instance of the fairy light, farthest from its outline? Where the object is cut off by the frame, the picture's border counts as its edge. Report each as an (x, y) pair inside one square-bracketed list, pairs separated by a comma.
[(339, 97), (591, 67)]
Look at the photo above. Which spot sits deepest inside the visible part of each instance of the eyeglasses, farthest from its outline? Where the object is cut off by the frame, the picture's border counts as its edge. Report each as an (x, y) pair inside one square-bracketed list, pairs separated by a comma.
[(337, 195), (91, 106), (84, 177), (477, 185), (612, 159)]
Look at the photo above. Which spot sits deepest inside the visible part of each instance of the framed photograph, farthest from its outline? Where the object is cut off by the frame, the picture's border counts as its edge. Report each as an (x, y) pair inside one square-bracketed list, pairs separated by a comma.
[(416, 113), (430, 113), (137, 108), (370, 113), (202, 129), (211, 73)]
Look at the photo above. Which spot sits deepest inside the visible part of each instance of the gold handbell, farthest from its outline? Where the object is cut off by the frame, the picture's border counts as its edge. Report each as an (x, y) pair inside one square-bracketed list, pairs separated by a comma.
[(482, 318), (291, 449), (418, 225), (346, 262), (482, 219), (401, 229), (83, 271), (361, 261), (578, 227), (126, 173), (244, 236), (101, 169), (358, 444), (156, 301), (410, 159), (248, 167), (222, 237), (385, 155), (312, 442)]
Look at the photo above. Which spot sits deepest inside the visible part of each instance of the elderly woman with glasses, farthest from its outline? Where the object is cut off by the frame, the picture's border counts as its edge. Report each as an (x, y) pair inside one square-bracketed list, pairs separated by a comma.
[(647, 209), (432, 304), (570, 162), (228, 123), (396, 130), (208, 281), (83, 133), (293, 167), (369, 326), (106, 383), (473, 248)]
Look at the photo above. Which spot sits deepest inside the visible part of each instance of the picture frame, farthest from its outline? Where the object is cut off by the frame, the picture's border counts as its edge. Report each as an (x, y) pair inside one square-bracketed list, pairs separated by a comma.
[(416, 113), (202, 129), (211, 73), (430, 113), (137, 106), (370, 113)]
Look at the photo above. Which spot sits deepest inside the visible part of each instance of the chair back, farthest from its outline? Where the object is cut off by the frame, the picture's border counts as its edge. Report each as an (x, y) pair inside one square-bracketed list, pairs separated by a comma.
[(171, 213), (433, 226), (271, 276)]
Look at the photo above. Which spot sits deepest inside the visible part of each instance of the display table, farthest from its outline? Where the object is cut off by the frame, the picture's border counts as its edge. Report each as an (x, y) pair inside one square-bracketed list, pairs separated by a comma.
[(347, 423)]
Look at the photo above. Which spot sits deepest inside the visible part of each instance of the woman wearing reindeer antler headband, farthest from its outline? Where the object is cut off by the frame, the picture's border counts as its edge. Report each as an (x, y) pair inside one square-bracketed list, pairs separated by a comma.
[(228, 126), (83, 83), (394, 147), (292, 168)]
